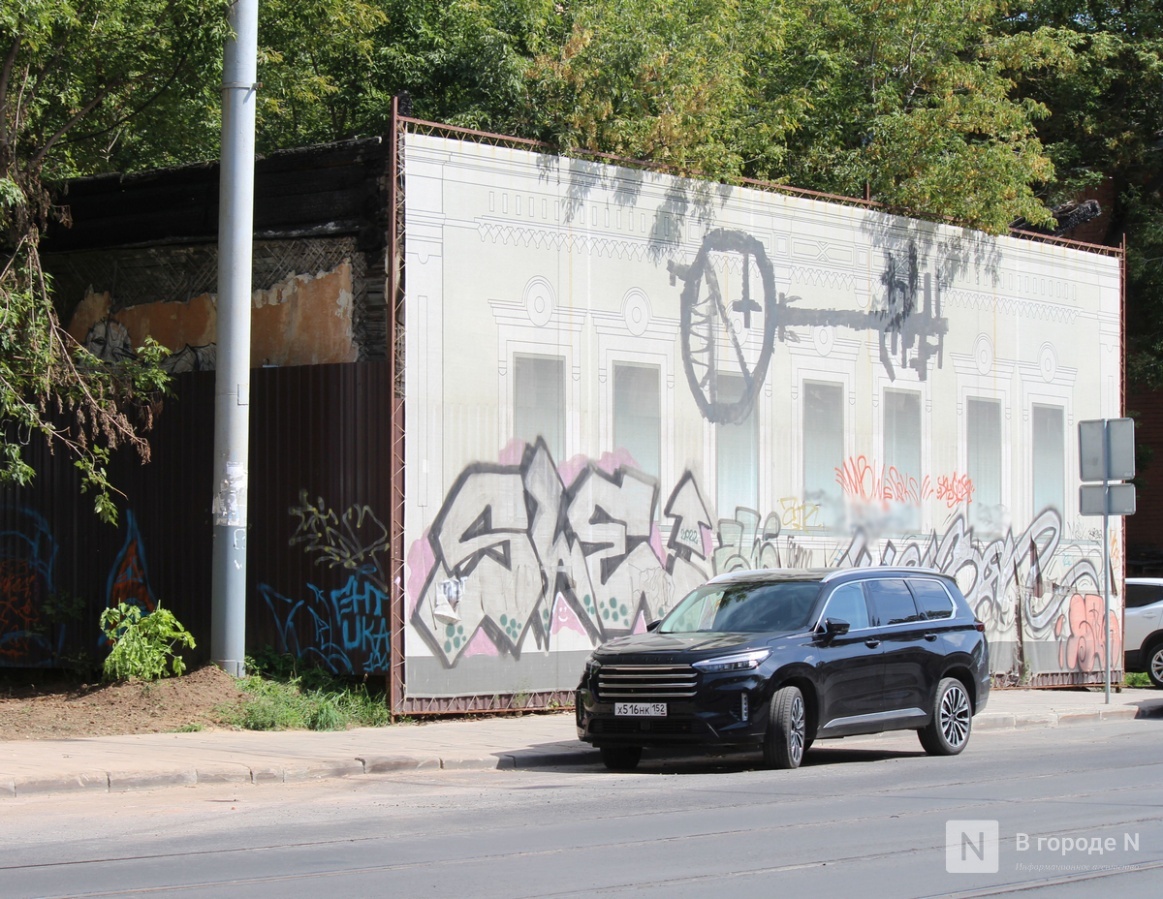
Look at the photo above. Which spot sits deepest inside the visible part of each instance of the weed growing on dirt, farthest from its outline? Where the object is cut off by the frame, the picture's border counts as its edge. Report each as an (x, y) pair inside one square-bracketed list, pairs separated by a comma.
[(283, 693), (145, 646)]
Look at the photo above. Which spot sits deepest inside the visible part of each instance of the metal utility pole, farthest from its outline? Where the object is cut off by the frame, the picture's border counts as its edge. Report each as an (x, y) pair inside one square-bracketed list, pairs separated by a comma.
[(232, 379)]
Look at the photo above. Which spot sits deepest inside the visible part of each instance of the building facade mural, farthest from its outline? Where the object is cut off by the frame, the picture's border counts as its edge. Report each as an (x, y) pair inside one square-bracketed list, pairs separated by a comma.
[(620, 383)]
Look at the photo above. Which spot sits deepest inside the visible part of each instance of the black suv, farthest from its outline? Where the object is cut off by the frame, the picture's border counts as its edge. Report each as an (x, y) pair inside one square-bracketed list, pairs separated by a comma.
[(776, 659)]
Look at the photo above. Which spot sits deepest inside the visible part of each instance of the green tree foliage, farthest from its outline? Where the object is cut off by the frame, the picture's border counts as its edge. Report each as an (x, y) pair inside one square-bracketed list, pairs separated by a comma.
[(660, 81), (915, 100), (1107, 128), (918, 101), (983, 112), (315, 62), (463, 62), (75, 79)]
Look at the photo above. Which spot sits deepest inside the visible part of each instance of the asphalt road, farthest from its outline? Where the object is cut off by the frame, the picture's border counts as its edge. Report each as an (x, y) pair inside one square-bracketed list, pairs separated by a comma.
[(866, 817)]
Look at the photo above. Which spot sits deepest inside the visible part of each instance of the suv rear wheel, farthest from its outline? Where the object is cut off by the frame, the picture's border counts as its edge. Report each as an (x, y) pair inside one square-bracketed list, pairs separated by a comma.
[(948, 731)]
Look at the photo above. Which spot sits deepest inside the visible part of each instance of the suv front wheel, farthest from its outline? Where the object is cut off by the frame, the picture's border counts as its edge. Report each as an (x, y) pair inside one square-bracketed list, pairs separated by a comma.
[(948, 731), (1154, 663), (787, 729), (621, 758)]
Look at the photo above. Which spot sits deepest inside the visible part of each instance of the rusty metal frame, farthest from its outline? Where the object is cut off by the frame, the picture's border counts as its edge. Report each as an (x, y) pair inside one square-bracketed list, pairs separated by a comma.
[(524, 143), (394, 309), (1101, 249), (1122, 574), (544, 701)]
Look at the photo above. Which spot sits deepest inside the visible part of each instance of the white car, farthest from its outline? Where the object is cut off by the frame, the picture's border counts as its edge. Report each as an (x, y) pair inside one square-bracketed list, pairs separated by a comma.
[(1143, 627)]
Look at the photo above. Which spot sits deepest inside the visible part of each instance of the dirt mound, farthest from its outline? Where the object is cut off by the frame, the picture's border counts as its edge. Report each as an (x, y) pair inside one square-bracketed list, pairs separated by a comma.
[(55, 711)]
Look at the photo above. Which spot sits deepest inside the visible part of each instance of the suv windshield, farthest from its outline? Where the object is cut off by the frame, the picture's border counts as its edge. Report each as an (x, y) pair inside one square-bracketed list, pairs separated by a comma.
[(743, 607)]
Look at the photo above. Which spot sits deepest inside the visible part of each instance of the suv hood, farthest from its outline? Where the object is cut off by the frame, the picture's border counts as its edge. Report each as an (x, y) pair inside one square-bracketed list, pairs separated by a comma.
[(675, 644)]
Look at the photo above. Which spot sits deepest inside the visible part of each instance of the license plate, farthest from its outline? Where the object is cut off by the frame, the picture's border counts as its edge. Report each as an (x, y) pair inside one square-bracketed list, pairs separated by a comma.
[(640, 709)]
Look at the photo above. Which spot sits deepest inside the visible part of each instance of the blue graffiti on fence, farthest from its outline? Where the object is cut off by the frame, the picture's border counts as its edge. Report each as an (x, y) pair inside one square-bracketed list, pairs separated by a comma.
[(27, 560), (349, 625), (129, 577), (334, 627)]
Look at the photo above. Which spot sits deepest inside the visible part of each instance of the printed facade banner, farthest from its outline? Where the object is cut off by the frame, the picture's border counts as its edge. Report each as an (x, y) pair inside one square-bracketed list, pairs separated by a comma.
[(620, 383)]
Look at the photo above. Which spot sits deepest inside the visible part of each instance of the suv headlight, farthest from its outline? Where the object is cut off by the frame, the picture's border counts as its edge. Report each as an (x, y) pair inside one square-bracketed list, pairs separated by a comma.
[(740, 661), (593, 666)]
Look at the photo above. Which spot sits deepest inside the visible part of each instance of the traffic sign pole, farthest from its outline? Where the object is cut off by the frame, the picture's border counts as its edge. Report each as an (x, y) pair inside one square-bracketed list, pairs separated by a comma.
[(1107, 454)]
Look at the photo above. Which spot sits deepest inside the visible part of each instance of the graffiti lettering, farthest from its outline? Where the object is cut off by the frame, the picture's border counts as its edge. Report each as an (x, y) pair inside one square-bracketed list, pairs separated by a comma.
[(799, 515), (743, 543), (540, 562), (955, 489), (129, 579), (869, 483), (346, 629), (355, 541), (1017, 585), (334, 628), (516, 559), (1082, 644)]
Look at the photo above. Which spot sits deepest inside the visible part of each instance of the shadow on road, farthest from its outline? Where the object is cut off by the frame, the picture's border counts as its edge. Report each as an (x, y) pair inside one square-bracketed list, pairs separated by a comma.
[(697, 761)]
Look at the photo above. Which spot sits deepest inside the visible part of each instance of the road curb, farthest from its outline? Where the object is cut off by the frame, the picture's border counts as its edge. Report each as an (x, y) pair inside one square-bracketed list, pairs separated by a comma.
[(546, 755), (1007, 721)]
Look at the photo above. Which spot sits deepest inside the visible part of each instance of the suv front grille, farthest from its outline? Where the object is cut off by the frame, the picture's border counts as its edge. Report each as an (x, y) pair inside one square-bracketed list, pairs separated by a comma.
[(641, 683)]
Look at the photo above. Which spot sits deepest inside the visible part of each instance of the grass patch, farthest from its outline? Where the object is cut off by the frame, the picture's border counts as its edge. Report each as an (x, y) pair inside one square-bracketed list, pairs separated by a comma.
[(1137, 679), (283, 693)]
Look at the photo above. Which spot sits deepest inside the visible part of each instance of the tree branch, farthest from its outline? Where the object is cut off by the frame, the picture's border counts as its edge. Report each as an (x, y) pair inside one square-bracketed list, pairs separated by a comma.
[(5, 77), (76, 117), (140, 109)]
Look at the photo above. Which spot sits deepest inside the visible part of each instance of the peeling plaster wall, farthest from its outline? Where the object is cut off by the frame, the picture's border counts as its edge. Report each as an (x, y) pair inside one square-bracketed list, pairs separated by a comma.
[(302, 320), (305, 320)]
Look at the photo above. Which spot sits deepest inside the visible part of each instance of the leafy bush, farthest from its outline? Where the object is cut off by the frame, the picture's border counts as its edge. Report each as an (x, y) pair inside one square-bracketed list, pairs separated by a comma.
[(143, 645)]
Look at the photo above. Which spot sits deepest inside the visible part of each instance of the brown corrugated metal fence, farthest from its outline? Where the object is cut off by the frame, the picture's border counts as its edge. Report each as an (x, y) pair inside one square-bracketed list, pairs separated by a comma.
[(317, 541)]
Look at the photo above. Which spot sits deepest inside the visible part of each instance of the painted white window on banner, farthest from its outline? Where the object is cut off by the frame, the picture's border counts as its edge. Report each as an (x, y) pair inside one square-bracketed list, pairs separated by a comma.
[(736, 453), (902, 452), (1049, 440), (539, 401), (638, 415), (983, 458), (823, 452)]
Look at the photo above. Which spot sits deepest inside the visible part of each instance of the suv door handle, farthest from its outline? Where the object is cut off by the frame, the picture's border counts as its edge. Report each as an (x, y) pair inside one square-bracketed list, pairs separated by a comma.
[(872, 642), (930, 637)]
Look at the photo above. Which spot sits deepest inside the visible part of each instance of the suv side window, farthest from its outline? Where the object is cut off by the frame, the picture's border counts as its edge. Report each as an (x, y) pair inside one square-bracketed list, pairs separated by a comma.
[(892, 601), (932, 598), (1139, 595), (847, 603)]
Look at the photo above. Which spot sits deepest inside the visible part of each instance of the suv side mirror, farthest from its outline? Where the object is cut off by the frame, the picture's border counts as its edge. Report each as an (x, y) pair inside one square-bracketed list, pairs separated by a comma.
[(653, 625), (834, 627)]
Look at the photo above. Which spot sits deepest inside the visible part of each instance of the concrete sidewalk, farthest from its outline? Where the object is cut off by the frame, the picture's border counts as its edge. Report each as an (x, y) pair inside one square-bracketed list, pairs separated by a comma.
[(30, 768)]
